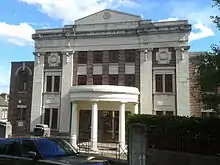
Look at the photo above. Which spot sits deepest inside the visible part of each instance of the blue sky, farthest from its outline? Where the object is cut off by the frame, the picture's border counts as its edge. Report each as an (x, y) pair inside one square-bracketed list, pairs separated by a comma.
[(19, 19)]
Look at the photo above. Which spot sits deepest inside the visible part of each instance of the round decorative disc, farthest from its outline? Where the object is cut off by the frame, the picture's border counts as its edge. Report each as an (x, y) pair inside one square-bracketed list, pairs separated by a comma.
[(53, 59), (163, 56), (107, 15)]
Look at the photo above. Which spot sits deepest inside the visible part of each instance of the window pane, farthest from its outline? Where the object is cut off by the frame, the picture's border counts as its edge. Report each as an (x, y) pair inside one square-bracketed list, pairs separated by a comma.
[(23, 80), (113, 56), (113, 79), (54, 118), (97, 57), (82, 58), (159, 113), (130, 80), (168, 83), (169, 113), (57, 84), (27, 146), (49, 84), (19, 114), (97, 80), (82, 80), (159, 83), (130, 56), (23, 110), (47, 116)]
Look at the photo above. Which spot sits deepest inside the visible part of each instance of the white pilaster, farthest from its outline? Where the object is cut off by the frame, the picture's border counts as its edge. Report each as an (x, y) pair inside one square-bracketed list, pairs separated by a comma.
[(146, 103), (136, 109), (66, 83), (74, 125), (182, 82), (38, 81), (94, 127), (122, 127)]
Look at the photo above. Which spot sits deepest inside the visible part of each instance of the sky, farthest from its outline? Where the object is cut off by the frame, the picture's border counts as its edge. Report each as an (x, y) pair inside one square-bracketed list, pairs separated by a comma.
[(20, 18)]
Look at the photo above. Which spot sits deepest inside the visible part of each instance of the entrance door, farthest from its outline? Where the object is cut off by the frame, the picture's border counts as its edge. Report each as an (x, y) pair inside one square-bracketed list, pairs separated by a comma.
[(85, 125)]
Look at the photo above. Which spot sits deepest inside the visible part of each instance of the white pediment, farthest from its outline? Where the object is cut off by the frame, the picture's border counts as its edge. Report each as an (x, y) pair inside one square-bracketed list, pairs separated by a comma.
[(107, 16)]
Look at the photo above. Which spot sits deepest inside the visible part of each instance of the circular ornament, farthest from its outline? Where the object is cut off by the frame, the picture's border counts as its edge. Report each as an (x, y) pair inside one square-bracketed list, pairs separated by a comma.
[(107, 15)]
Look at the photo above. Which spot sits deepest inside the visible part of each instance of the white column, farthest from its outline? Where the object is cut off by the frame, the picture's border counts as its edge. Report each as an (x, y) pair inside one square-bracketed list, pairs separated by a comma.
[(94, 127), (182, 82), (136, 109), (74, 125), (37, 97), (146, 86), (122, 127), (66, 83)]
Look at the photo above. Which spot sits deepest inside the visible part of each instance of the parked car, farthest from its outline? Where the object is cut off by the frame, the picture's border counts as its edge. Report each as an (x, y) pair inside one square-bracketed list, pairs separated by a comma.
[(42, 151)]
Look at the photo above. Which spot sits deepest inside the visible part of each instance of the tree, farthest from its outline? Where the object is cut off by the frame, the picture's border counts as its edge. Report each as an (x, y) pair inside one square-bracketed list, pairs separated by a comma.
[(208, 73)]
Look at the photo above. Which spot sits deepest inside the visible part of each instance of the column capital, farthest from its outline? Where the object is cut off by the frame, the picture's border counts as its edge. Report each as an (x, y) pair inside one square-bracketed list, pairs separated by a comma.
[(146, 50), (38, 54), (123, 102)]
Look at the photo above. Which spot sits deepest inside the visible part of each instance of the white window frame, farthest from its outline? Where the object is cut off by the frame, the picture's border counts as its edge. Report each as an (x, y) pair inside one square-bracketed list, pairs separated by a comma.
[(53, 74), (164, 72), (4, 114), (50, 118)]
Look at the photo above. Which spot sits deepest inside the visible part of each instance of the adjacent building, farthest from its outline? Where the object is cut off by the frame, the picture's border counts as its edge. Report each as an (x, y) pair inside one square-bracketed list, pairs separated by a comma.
[(3, 107), (20, 97), (89, 76)]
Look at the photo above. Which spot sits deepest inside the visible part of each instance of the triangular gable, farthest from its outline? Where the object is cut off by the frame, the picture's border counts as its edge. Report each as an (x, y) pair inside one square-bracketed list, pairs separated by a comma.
[(107, 16)]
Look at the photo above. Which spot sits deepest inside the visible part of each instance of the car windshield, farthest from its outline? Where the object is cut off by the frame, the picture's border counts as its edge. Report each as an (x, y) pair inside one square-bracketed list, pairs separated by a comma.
[(49, 148)]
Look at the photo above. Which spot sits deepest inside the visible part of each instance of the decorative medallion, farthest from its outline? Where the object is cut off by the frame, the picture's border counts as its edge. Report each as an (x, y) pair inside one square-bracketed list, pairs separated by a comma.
[(107, 15), (54, 59), (163, 56)]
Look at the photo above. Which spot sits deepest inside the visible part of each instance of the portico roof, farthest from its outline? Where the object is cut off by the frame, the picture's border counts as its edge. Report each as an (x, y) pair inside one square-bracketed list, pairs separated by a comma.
[(103, 93)]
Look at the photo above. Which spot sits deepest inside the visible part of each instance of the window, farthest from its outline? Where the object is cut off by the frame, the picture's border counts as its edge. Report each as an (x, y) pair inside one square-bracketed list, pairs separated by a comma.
[(159, 83), (53, 84), (113, 79), (56, 84), (130, 80), (164, 83), (159, 113), (82, 80), (82, 58), (49, 84), (97, 79), (97, 57), (169, 113), (12, 148), (23, 80), (27, 146), (54, 118), (21, 114), (4, 114), (47, 116), (113, 56), (130, 56), (169, 83), (51, 117)]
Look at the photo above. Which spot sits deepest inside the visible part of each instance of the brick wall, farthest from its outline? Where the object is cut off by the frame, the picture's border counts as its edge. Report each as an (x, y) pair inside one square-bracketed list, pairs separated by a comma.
[(195, 104), (24, 96)]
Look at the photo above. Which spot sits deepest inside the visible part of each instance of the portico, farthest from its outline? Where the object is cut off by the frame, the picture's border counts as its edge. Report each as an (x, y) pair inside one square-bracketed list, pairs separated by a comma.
[(97, 98)]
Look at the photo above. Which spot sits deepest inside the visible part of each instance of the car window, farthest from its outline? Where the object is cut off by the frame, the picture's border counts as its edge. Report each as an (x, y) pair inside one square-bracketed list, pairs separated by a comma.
[(49, 148), (12, 148), (27, 146)]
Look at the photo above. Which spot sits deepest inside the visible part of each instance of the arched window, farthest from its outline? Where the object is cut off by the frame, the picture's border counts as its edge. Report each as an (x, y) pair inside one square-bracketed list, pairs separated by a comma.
[(23, 80)]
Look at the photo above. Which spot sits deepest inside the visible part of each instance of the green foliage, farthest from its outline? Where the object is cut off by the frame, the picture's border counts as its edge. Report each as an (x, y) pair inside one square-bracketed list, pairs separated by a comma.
[(216, 19), (178, 126), (208, 78)]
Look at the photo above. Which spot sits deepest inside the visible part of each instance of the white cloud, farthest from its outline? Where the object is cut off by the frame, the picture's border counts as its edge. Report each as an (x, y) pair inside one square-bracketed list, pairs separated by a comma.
[(16, 34), (70, 10), (204, 32), (197, 14), (5, 79)]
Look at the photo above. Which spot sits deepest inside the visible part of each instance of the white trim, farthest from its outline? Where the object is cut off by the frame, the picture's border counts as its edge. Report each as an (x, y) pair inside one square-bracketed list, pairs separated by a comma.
[(103, 93)]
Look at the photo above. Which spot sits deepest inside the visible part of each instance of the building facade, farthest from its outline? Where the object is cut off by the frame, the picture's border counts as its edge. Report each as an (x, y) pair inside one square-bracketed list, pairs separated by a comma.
[(89, 76), (20, 97), (3, 107)]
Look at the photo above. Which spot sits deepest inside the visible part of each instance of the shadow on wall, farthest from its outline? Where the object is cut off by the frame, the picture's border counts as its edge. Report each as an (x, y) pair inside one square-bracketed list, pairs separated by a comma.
[(158, 157)]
